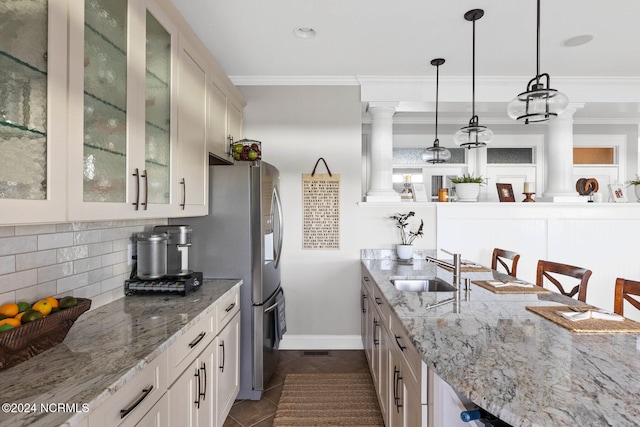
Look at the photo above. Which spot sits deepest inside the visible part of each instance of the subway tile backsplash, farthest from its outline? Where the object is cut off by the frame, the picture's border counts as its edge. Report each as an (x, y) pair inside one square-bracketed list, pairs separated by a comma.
[(83, 259)]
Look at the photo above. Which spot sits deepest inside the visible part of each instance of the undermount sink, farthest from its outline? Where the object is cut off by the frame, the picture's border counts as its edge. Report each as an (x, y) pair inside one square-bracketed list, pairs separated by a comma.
[(422, 285)]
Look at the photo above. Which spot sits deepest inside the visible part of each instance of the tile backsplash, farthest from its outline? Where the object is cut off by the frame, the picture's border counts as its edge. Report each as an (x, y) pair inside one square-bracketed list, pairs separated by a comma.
[(83, 259)]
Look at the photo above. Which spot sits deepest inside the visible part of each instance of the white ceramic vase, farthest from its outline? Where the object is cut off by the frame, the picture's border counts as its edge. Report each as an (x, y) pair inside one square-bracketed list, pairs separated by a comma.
[(636, 189), (467, 191), (404, 251)]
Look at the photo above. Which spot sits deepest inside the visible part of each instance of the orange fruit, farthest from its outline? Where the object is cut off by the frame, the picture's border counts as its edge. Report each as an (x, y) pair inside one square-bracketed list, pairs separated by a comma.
[(52, 301), (10, 321), (43, 306), (19, 316), (9, 309)]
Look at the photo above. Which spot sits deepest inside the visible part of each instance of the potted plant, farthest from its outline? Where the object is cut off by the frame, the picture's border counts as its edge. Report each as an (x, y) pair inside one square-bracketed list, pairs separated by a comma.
[(636, 186), (468, 187), (405, 248)]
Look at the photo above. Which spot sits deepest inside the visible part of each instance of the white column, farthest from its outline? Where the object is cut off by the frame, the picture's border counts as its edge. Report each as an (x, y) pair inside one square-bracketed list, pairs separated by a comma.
[(381, 150), (559, 157)]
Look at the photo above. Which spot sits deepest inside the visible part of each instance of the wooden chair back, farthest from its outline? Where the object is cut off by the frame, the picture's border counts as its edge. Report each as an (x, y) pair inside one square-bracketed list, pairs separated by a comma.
[(545, 268), (500, 255), (624, 288)]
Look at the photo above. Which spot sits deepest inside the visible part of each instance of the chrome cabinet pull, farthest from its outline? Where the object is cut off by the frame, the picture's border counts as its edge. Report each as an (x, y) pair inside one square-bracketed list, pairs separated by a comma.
[(184, 193), (137, 202), (146, 189), (223, 355), (145, 392), (197, 340)]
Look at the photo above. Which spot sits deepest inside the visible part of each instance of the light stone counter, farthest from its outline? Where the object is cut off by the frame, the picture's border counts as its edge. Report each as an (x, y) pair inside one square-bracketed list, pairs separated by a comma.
[(103, 350), (515, 364)]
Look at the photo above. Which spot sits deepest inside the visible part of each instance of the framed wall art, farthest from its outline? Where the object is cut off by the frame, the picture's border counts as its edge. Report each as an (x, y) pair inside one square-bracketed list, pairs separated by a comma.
[(618, 193), (505, 192)]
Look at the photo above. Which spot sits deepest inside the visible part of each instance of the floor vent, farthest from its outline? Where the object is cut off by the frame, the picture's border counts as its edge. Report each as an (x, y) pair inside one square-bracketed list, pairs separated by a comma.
[(315, 353)]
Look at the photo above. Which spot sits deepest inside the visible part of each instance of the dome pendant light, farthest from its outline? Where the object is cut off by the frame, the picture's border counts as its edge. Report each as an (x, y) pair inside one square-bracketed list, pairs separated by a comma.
[(539, 102), (474, 135), (436, 154)]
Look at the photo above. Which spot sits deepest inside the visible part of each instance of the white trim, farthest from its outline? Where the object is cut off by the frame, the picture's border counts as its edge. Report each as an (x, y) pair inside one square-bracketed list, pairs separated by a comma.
[(321, 342), (294, 80)]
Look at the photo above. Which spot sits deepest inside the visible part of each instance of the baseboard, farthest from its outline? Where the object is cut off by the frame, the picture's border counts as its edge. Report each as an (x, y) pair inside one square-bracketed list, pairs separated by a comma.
[(321, 342)]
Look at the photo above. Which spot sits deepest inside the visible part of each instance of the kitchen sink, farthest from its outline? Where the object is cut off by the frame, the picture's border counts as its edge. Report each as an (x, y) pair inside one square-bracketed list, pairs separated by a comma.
[(422, 285)]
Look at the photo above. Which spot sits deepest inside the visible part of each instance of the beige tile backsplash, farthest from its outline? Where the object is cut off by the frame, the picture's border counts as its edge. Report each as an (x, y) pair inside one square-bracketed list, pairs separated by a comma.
[(83, 259)]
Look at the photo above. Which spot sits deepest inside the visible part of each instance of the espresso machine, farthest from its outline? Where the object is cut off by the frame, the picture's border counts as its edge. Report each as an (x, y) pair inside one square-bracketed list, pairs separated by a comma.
[(162, 262)]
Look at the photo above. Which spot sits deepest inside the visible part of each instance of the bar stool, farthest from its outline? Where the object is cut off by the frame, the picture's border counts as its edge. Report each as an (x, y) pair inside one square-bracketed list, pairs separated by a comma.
[(547, 267), (624, 288), (499, 255)]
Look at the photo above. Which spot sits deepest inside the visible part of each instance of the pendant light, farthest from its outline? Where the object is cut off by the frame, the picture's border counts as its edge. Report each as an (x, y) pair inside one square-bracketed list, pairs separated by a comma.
[(474, 135), (436, 154), (539, 102)]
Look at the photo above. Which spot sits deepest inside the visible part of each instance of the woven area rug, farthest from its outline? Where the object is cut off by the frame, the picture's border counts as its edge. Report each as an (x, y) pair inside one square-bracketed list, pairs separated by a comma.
[(328, 400)]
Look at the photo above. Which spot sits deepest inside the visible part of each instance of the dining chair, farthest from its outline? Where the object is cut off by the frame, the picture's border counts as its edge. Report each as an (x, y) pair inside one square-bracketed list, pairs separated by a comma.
[(500, 255), (550, 270), (625, 288)]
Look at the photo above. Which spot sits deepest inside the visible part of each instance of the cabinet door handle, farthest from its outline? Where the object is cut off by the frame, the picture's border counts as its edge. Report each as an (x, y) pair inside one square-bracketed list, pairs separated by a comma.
[(364, 303), (145, 392), (198, 394), (203, 368), (184, 193), (137, 202), (228, 309), (376, 324), (197, 340), (396, 388), (402, 347), (222, 366), (146, 189)]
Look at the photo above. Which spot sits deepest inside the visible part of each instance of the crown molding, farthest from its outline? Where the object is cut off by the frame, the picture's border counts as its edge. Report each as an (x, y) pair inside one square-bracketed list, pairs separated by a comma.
[(294, 80)]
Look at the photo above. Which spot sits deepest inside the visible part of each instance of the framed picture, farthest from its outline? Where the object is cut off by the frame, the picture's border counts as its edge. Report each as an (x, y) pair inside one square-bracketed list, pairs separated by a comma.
[(617, 192), (419, 192), (505, 192)]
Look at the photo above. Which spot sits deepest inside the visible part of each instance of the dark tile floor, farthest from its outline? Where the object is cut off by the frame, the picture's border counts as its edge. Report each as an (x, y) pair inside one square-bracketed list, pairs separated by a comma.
[(251, 413)]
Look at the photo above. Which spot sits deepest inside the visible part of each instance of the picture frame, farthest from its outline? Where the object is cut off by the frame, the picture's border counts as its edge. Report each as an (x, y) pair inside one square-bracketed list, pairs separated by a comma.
[(505, 192), (419, 192), (618, 193)]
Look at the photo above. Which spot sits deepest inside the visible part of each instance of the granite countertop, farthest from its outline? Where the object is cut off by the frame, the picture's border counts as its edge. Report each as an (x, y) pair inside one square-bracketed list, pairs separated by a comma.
[(517, 365), (104, 348)]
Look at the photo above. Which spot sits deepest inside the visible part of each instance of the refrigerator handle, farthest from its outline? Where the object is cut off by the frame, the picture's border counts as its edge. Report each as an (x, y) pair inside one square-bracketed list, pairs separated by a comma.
[(278, 247)]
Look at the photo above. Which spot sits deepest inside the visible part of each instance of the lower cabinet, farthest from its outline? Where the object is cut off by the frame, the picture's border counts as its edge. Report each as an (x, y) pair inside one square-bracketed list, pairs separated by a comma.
[(228, 368), (158, 415)]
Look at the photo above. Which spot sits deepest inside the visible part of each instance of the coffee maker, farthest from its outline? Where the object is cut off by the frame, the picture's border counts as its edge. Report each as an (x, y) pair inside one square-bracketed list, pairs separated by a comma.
[(177, 248), (163, 262)]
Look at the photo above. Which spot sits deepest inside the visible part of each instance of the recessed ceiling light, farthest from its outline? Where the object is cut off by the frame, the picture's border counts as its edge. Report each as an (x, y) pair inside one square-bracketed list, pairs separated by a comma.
[(577, 40), (304, 32)]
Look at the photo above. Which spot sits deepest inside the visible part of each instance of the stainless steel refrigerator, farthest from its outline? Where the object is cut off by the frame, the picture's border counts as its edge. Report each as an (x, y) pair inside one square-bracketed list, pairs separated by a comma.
[(242, 238)]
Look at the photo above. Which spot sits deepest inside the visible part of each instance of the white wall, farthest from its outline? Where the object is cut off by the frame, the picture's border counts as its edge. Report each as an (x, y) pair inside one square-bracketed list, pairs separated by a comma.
[(297, 125)]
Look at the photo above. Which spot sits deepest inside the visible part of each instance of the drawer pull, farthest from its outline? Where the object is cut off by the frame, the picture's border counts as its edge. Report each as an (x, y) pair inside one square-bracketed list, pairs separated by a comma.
[(145, 392), (196, 341), (402, 347), (228, 309), (378, 300)]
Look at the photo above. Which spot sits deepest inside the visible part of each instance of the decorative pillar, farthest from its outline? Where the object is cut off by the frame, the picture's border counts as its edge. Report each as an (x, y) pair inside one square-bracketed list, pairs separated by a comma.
[(559, 157), (381, 150)]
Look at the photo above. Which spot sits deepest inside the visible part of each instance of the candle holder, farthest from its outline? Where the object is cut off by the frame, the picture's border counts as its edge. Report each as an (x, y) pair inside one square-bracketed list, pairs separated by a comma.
[(528, 198)]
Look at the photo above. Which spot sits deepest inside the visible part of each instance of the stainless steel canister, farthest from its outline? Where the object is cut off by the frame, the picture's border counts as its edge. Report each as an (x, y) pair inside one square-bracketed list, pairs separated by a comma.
[(178, 248), (151, 250)]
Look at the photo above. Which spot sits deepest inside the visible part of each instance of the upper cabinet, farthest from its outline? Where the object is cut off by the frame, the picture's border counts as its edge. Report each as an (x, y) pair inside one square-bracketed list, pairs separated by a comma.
[(33, 52)]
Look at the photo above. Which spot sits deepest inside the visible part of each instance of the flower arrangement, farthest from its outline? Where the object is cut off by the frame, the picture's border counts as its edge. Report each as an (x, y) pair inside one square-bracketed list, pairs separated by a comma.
[(406, 236), (635, 181), (467, 179)]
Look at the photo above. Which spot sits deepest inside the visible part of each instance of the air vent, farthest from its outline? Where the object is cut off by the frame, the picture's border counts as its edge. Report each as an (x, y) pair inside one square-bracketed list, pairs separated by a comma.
[(316, 353)]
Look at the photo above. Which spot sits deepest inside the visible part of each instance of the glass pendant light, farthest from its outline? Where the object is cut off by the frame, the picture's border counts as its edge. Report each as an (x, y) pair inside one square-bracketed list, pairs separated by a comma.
[(539, 102), (474, 135), (436, 154)]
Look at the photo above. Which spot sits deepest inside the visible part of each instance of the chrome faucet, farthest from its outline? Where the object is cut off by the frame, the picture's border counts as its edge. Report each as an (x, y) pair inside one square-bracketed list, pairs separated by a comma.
[(455, 266)]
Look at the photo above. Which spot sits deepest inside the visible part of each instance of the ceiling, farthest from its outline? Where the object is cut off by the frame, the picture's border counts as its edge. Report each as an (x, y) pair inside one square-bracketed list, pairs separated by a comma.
[(254, 39)]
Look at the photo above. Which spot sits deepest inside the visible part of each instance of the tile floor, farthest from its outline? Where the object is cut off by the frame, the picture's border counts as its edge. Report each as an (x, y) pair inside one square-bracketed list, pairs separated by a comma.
[(250, 413)]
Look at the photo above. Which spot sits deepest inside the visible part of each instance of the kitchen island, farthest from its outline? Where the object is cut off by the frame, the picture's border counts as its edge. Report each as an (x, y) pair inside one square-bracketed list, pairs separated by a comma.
[(515, 364), (104, 350)]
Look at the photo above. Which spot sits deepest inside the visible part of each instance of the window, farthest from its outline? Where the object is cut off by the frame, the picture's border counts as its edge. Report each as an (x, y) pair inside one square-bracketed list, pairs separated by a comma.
[(510, 155), (594, 156)]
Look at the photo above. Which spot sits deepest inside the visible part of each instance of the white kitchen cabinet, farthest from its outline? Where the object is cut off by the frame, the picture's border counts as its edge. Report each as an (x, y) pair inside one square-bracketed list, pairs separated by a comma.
[(122, 71), (193, 160), (158, 415), (33, 116), (235, 122), (130, 404), (228, 368)]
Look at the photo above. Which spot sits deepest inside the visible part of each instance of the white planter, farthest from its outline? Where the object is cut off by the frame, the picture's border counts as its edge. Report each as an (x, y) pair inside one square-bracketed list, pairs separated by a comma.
[(467, 191), (404, 251), (636, 189)]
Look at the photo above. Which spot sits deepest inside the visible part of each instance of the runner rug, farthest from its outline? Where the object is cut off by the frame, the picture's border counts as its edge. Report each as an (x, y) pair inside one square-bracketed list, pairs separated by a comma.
[(328, 400)]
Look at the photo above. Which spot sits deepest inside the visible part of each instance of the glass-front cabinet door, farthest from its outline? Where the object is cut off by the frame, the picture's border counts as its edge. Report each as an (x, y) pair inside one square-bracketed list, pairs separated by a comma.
[(121, 68), (32, 111)]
